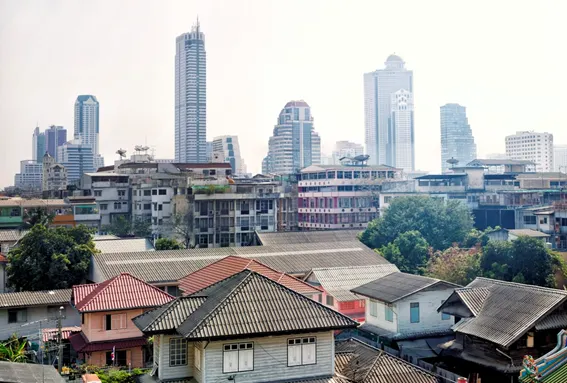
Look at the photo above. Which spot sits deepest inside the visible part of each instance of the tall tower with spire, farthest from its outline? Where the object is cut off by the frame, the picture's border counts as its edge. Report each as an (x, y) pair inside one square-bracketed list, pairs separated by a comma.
[(191, 96)]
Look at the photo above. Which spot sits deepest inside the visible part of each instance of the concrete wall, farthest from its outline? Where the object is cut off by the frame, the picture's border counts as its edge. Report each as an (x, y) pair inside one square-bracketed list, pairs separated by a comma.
[(380, 319), (34, 314), (429, 318), (93, 326)]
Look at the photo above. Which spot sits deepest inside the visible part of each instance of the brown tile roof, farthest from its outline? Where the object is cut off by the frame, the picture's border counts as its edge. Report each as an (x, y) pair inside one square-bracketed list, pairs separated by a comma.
[(245, 304), (121, 292), (35, 298), (231, 265)]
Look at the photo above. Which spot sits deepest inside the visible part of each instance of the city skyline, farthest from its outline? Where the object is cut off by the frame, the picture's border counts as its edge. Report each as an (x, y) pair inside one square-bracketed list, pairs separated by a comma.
[(252, 71)]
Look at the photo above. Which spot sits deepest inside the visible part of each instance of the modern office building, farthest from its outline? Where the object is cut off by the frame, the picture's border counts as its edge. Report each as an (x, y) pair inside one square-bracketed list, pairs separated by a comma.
[(30, 175), (401, 130), (345, 149), (457, 141), (38, 145), (77, 158), (191, 97), (379, 86), (87, 121), (55, 136), (227, 149), (560, 158), (532, 146), (294, 144)]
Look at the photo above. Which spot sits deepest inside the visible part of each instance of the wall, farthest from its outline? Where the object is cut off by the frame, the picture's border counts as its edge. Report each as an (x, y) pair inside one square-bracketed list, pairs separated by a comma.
[(36, 313), (380, 319), (134, 357), (270, 359), (429, 318), (94, 330), (167, 372)]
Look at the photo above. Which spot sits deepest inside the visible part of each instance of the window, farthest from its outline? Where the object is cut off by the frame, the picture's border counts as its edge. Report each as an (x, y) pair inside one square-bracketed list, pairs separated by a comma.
[(103, 206), (114, 321), (162, 191), (154, 191), (197, 358), (387, 199), (238, 357), (117, 205), (17, 316), (121, 193), (147, 206), (330, 300), (414, 312), (388, 313), (147, 193), (373, 308), (177, 352), (120, 358), (160, 207), (98, 193), (301, 351), (443, 315)]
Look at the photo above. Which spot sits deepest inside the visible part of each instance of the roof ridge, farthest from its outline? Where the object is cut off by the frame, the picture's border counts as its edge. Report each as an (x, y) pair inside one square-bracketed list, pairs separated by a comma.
[(159, 318), (522, 285)]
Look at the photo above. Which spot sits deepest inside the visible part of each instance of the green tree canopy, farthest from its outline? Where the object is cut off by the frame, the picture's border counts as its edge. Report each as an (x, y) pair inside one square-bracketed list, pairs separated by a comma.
[(37, 216), (120, 226), (50, 258), (408, 251), (168, 244), (456, 265), (441, 223)]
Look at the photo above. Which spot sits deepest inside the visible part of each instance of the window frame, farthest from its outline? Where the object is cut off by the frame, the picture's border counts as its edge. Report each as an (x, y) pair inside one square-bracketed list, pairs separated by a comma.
[(373, 308), (389, 309), (16, 311), (414, 305), (301, 343), (237, 351), (176, 345)]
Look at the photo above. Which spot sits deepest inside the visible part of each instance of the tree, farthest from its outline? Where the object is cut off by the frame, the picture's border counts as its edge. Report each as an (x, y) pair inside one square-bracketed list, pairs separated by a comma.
[(50, 258), (456, 265), (168, 244), (37, 216), (13, 350), (441, 223), (120, 226), (408, 251), (182, 227), (141, 227), (477, 237)]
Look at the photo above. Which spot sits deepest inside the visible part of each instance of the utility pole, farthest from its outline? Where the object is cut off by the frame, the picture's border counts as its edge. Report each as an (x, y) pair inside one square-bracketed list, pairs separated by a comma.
[(60, 341)]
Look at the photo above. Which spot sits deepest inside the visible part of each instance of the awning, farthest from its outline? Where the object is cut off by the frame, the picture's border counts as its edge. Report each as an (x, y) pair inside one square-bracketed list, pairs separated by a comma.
[(81, 344), (52, 333)]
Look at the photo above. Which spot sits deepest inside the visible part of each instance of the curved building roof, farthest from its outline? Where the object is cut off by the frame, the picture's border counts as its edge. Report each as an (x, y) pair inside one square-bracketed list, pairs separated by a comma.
[(394, 58), (298, 103)]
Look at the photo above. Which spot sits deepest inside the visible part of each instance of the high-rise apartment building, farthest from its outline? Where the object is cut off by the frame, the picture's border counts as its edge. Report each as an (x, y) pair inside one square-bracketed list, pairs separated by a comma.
[(532, 146), (345, 149), (228, 149), (294, 144), (30, 175), (38, 145), (401, 130), (379, 86), (77, 158), (191, 97), (55, 136), (560, 158), (457, 140), (87, 121)]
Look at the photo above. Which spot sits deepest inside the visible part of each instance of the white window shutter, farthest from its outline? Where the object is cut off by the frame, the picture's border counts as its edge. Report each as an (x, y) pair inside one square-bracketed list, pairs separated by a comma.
[(309, 353), (294, 355), (246, 360), (230, 361)]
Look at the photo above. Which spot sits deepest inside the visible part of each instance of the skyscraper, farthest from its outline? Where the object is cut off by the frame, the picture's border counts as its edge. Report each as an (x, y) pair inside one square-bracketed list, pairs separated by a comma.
[(401, 130), (294, 144), (191, 97), (532, 146), (77, 159), (55, 136), (457, 140), (87, 121), (38, 145), (379, 86), (228, 148)]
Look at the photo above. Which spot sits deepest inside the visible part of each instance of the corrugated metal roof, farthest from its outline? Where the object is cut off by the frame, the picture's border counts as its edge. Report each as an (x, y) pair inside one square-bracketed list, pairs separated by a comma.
[(527, 233), (172, 265), (510, 310), (11, 235), (324, 236), (338, 281), (395, 286), (124, 245), (105, 237), (362, 363), (33, 202), (231, 265), (35, 298), (473, 298), (244, 304), (11, 372), (121, 292)]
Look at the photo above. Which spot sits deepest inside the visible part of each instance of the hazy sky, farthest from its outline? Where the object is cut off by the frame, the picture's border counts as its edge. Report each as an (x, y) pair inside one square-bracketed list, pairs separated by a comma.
[(504, 60)]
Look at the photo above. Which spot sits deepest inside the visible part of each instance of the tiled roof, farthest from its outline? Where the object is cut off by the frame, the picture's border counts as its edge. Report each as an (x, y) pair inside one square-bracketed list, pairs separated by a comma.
[(52, 333), (12, 372), (105, 237), (81, 344), (172, 265), (245, 304), (35, 298), (323, 236), (528, 233), (362, 363), (338, 281), (473, 298), (11, 235), (395, 286), (231, 265), (124, 245), (121, 292), (509, 310)]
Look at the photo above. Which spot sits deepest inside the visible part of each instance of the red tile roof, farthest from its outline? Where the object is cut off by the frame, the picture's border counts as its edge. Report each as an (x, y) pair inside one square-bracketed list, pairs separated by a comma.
[(51, 333), (231, 265), (81, 344), (121, 292)]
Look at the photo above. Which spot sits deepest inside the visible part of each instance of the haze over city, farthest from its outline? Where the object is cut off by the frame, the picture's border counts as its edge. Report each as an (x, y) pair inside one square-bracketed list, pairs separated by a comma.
[(501, 60)]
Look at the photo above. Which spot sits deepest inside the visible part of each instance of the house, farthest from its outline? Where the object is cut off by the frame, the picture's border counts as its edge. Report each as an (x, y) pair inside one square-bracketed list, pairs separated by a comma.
[(246, 328), (403, 307), (338, 281), (513, 234), (498, 323), (35, 309), (12, 372), (224, 268), (106, 310)]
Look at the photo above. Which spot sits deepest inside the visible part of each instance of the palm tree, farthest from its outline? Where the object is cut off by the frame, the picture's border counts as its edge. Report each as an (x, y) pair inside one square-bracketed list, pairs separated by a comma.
[(13, 350)]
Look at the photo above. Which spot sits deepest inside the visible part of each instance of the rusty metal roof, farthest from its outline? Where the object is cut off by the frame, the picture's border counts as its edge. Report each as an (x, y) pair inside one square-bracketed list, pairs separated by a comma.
[(245, 304), (121, 292)]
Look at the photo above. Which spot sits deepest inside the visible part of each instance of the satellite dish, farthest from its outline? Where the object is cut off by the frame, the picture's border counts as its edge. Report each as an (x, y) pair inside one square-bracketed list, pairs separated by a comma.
[(360, 159), (452, 161), (121, 152)]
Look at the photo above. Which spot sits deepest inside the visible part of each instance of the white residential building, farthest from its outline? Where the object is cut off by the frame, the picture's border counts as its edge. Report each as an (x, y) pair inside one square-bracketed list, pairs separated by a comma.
[(378, 89), (54, 175), (228, 150), (191, 97), (345, 149), (532, 146), (560, 158), (77, 159), (30, 175), (111, 192), (402, 134)]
